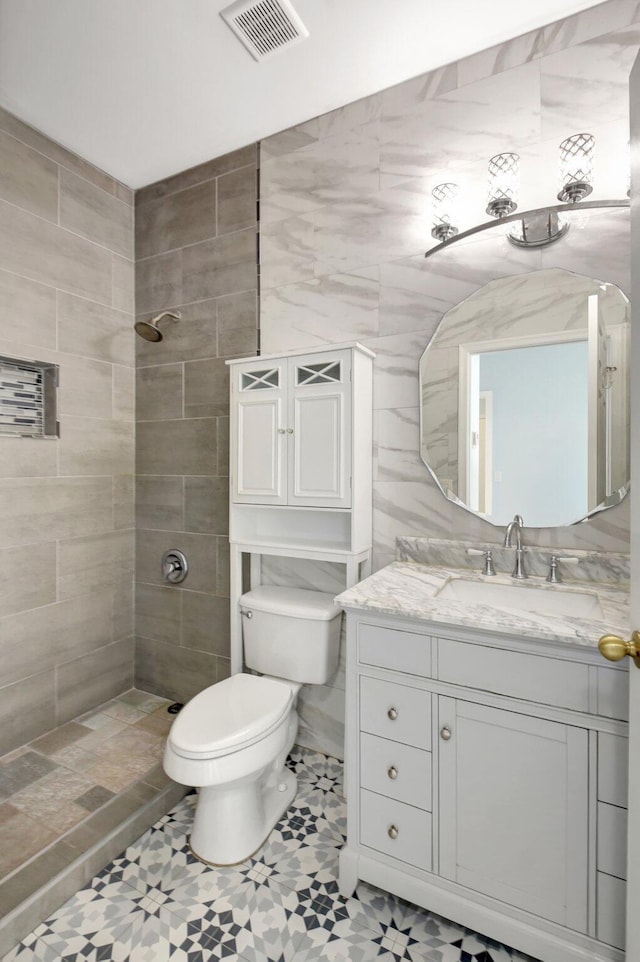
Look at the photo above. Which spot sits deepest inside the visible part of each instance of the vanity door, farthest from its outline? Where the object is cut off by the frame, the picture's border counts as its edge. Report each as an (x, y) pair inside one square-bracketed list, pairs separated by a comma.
[(514, 809)]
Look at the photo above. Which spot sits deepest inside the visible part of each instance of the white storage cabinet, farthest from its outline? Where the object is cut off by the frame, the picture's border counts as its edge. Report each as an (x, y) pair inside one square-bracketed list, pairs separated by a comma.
[(292, 430), (300, 463)]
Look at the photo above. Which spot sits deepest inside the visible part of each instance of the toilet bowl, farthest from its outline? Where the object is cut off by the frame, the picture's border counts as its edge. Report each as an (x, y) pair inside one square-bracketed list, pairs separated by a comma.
[(232, 739), (232, 744)]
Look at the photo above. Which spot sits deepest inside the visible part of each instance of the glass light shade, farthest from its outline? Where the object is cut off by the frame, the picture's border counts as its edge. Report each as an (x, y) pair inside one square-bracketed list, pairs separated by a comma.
[(445, 198), (576, 168), (504, 184)]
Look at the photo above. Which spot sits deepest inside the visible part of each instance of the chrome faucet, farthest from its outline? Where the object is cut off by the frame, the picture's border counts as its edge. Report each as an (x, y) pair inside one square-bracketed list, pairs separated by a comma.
[(516, 525)]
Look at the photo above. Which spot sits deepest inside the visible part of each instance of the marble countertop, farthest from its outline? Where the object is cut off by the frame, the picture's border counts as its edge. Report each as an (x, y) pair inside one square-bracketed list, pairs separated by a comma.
[(410, 590)]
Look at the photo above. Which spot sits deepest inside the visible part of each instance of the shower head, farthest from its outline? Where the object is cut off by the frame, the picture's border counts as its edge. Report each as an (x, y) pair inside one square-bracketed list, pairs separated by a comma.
[(149, 329)]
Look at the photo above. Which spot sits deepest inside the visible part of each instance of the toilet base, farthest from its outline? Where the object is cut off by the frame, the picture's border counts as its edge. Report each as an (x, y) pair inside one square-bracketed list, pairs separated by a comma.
[(232, 825)]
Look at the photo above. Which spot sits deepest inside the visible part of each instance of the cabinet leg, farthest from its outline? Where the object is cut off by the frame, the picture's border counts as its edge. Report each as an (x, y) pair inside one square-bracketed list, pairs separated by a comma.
[(348, 874), (236, 619)]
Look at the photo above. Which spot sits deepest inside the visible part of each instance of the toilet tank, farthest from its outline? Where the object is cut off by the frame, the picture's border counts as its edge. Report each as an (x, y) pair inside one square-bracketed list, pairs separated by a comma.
[(291, 633)]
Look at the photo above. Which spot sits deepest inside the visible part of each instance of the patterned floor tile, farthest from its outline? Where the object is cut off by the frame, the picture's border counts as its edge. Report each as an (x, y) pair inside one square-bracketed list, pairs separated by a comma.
[(32, 950), (448, 942), (359, 945), (157, 936), (159, 860), (320, 812), (157, 902), (316, 769), (250, 916), (298, 863), (95, 917)]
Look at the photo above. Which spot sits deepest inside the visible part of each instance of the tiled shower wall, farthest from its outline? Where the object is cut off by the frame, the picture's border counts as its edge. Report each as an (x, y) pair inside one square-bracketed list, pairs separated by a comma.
[(196, 244), (66, 507), (345, 223)]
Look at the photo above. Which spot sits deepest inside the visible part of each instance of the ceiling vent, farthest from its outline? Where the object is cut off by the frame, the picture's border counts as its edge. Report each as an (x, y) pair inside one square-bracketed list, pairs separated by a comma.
[(265, 26)]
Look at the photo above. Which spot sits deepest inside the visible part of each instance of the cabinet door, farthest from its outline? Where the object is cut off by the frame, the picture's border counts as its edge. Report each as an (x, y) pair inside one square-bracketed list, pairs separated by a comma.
[(258, 432), (514, 809), (319, 411)]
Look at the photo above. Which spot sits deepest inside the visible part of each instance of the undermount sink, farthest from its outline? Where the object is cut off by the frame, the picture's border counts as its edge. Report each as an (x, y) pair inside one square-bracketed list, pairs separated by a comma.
[(519, 597)]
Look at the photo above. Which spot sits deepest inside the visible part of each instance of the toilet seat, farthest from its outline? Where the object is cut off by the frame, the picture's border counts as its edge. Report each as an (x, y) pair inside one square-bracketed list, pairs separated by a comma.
[(230, 715)]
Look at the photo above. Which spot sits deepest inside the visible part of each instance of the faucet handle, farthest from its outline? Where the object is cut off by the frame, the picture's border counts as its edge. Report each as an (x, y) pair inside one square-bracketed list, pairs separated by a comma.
[(487, 554), (554, 577)]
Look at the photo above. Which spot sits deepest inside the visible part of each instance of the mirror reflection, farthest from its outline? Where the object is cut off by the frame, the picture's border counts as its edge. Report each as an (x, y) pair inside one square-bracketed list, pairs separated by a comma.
[(525, 401)]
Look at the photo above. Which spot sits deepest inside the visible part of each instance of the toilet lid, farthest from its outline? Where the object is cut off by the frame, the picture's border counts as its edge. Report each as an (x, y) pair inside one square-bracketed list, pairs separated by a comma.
[(229, 714)]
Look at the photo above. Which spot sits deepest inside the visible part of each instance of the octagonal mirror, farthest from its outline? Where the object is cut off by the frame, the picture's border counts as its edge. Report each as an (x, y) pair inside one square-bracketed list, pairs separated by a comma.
[(525, 399)]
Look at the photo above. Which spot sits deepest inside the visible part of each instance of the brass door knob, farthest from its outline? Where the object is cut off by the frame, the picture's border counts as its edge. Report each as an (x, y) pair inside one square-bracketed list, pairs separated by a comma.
[(614, 648)]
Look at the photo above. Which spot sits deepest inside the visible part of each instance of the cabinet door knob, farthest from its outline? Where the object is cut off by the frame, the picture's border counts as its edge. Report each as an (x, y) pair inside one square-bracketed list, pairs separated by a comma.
[(392, 714), (392, 831), (289, 430), (615, 648), (281, 431), (445, 733), (392, 772)]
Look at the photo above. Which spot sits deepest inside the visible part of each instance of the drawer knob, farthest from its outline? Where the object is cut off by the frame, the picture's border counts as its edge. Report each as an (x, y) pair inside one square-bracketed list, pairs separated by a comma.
[(392, 831), (445, 734), (392, 714), (392, 772)]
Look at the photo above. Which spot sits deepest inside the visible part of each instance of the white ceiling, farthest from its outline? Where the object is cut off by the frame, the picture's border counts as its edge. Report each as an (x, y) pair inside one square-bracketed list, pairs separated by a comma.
[(146, 88)]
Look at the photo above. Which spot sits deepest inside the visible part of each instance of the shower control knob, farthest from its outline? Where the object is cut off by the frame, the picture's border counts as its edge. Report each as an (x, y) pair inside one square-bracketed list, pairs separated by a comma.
[(392, 831), (175, 566), (392, 772), (392, 714), (445, 734)]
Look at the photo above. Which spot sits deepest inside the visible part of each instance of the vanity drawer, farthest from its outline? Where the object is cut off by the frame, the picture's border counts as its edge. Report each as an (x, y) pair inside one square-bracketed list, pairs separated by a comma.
[(405, 651), (397, 771), (411, 826), (610, 910), (612, 840), (393, 711), (547, 681), (613, 778)]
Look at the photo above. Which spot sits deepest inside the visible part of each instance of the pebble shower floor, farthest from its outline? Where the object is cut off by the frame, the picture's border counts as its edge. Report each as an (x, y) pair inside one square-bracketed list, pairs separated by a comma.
[(157, 903)]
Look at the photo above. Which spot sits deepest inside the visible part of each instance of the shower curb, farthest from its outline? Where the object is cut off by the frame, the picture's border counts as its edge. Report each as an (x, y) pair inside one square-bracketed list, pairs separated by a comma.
[(35, 890)]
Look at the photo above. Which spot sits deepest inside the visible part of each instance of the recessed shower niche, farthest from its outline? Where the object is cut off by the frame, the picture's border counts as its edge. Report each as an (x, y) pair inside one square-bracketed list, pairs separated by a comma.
[(28, 398)]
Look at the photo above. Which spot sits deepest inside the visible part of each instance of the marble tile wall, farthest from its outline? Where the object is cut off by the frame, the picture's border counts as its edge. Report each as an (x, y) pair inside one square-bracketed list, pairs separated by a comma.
[(345, 223), (66, 507), (196, 254)]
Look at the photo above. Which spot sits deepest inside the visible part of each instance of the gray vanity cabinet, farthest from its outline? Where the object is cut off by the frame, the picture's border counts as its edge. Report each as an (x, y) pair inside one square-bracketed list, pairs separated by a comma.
[(486, 781)]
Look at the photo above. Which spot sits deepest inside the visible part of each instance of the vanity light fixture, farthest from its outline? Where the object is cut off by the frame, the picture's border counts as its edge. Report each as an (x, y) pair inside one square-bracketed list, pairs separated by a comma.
[(532, 228), (576, 168), (504, 184), (445, 199)]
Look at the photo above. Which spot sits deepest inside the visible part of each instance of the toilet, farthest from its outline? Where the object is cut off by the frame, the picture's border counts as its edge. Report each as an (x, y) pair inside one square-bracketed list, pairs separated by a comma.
[(231, 740)]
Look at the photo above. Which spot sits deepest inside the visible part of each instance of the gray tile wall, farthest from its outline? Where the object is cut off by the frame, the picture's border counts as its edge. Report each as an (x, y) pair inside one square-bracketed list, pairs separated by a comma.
[(196, 242), (345, 223), (66, 507)]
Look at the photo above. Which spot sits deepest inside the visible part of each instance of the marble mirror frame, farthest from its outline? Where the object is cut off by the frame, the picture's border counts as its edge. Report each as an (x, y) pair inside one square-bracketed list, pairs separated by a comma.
[(554, 311)]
